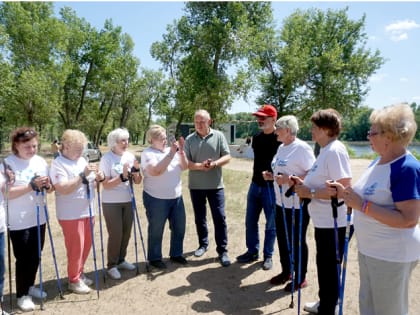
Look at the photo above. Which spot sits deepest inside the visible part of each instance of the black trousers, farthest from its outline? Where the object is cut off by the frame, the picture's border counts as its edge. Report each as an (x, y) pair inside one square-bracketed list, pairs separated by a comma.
[(25, 249), (326, 263), (282, 241)]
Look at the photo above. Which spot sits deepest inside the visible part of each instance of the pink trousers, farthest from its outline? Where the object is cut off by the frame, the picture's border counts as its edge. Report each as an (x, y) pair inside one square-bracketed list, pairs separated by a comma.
[(78, 241)]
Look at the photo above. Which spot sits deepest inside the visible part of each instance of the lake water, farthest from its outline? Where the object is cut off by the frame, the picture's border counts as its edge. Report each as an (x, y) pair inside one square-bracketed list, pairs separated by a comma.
[(360, 149), (363, 148)]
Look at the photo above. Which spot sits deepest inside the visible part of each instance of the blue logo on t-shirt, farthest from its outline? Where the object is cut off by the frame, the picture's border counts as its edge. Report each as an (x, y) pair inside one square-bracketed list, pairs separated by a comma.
[(370, 190)]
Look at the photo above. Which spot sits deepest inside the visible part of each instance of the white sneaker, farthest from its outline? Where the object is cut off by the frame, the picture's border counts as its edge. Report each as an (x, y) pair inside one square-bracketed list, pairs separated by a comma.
[(126, 265), (79, 287), (86, 280), (36, 293), (311, 307), (113, 273), (3, 312), (25, 303)]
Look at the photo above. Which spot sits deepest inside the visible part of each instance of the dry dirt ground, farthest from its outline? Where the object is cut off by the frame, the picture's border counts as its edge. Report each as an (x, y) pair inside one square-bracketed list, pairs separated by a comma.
[(203, 286)]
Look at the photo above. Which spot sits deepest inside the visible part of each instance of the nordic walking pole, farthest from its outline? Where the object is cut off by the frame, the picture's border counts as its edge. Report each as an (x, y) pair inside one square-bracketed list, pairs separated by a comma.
[(92, 236), (303, 205), (345, 251), (100, 229), (9, 255), (38, 228), (47, 219), (286, 230), (334, 205), (134, 210), (292, 249), (134, 206)]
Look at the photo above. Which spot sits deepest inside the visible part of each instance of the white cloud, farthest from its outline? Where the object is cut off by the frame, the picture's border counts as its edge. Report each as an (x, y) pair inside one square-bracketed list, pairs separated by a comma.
[(403, 79), (416, 98), (398, 30), (378, 77)]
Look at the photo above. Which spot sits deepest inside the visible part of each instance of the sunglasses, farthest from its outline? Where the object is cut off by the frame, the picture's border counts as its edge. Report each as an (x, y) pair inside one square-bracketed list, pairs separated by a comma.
[(27, 133)]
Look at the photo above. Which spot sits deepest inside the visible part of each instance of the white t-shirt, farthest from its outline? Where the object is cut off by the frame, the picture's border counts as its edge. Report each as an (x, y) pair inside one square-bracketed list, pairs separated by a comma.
[(333, 163), (112, 166), (23, 209), (2, 210), (384, 185), (74, 205), (295, 158), (167, 185)]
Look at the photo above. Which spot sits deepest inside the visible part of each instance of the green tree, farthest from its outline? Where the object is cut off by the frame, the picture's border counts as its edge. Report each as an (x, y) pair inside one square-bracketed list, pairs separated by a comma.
[(32, 45), (198, 50), (319, 60)]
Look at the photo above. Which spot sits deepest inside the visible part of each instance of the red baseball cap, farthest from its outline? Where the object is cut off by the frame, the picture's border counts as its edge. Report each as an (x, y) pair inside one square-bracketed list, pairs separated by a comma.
[(266, 111)]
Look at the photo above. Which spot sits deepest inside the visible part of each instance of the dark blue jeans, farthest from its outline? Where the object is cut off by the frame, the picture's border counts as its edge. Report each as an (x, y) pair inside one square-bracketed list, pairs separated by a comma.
[(259, 198), (216, 199), (157, 212)]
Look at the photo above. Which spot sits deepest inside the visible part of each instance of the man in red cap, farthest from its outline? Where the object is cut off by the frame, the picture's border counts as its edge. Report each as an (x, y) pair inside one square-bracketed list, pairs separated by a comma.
[(261, 193)]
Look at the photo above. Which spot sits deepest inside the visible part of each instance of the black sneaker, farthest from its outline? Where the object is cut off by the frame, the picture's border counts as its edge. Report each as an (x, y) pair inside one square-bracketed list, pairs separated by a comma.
[(281, 278), (247, 257), (288, 287), (179, 259), (159, 264)]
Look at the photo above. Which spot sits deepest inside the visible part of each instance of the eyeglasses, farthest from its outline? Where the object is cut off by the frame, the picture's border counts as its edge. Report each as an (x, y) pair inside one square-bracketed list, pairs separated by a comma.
[(371, 133)]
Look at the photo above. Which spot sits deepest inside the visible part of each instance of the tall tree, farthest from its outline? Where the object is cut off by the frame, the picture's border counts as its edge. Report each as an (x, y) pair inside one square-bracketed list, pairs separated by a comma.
[(33, 43), (201, 50), (319, 60)]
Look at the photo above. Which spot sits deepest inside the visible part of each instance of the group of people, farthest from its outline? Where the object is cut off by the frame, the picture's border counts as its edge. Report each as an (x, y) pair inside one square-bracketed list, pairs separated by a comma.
[(385, 201), (289, 183)]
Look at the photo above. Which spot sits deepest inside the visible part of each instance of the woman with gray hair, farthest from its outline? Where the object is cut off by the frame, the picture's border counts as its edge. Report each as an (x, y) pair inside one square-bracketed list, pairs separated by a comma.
[(387, 203), (162, 195), (293, 157), (118, 164)]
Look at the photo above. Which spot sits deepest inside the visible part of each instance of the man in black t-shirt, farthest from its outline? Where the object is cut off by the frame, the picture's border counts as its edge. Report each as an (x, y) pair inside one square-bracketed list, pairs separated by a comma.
[(261, 193)]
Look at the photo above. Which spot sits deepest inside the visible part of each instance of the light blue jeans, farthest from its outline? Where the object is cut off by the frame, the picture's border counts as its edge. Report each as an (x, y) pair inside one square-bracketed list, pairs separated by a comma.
[(259, 198), (158, 211)]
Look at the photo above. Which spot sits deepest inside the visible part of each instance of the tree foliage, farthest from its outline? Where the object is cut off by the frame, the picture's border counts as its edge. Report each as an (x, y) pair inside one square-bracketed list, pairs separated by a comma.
[(318, 60), (200, 49), (60, 72)]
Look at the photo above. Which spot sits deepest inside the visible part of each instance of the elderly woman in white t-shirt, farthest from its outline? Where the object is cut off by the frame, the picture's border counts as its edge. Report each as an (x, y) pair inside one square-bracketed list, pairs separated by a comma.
[(162, 196), (73, 178), (31, 177), (386, 200), (118, 165), (332, 163)]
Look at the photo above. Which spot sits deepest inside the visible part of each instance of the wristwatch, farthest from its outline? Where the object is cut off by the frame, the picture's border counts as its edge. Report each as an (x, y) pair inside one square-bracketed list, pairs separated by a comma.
[(313, 193)]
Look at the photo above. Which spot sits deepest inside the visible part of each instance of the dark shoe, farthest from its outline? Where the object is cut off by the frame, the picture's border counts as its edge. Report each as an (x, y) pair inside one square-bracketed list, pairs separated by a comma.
[(224, 259), (200, 251), (179, 259), (268, 263), (281, 278), (158, 264), (288, 287), (247, 257)]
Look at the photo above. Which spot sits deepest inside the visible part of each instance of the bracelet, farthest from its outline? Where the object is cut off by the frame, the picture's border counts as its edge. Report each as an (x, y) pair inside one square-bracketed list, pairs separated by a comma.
[(365, 207), (122, 178)]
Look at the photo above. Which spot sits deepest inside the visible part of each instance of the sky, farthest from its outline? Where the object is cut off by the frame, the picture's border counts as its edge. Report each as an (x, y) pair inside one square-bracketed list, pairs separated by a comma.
[(392, 27)]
